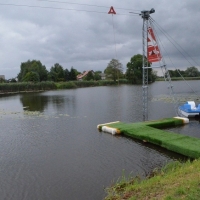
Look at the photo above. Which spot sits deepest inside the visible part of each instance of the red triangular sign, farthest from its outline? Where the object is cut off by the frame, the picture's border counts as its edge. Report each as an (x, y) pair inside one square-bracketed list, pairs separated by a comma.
[(112, 11)]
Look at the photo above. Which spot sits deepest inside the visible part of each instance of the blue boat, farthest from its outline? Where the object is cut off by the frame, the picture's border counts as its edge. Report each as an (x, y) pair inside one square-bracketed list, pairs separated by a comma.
[(189, 109)]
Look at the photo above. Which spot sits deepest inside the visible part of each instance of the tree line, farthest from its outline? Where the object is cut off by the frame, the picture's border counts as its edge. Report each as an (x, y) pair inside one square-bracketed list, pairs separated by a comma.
[(35, 71), (189, 72)]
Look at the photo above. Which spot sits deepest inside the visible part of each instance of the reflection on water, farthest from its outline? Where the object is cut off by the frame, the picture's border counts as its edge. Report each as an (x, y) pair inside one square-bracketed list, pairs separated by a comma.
[(191, 129), (29, 102), (50, 147)]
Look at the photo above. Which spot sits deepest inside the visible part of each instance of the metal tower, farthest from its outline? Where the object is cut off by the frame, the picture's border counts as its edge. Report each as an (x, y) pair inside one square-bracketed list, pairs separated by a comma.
[(145, 15)]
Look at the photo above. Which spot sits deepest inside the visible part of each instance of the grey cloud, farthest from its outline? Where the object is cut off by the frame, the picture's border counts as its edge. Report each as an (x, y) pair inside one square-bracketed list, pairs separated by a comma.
[(85, 40)]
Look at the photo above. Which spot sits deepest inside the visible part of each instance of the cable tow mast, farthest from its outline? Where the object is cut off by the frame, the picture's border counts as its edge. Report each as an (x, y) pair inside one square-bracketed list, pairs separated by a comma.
[(152, 53)]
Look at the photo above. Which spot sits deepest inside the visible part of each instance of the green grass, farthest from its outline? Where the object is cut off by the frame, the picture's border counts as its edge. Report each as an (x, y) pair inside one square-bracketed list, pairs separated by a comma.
[(179, 78), (174, 181), (48, 85), (66, 85), (26, 86)]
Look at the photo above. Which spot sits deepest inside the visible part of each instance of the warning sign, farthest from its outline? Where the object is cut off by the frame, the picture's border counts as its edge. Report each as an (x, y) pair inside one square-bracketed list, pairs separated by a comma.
[(112, 11)]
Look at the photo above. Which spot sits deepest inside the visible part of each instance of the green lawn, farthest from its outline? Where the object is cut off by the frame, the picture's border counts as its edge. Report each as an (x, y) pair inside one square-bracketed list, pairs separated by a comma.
[(174, 181)]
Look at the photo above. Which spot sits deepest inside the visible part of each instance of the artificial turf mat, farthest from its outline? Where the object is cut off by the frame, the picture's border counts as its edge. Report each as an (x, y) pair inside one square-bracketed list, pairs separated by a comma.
[(150, 132)]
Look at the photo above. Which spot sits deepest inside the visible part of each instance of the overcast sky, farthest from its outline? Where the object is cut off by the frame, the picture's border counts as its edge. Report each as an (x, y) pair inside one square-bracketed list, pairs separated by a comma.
[(86, 40)]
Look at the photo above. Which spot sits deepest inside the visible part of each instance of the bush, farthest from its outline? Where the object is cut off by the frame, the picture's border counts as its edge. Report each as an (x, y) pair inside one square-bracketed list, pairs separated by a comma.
[(66, 85), (26, 86)]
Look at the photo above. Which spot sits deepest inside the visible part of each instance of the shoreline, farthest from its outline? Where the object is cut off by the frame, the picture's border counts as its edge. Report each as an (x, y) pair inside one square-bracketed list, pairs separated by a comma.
[(174, 181)]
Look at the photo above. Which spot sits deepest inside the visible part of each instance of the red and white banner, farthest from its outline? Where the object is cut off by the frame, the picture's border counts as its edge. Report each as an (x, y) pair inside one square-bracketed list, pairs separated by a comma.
[(153, 51)]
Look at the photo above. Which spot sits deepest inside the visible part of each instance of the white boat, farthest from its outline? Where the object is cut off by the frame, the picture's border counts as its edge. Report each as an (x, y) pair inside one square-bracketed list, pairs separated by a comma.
[(189, 109)]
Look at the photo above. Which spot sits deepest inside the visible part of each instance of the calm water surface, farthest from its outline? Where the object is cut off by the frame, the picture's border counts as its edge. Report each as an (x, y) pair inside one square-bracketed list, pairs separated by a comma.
[(51, 149)]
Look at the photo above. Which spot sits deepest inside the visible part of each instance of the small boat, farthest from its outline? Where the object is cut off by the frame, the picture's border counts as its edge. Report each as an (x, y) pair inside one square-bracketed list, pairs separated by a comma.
[(189, 109)]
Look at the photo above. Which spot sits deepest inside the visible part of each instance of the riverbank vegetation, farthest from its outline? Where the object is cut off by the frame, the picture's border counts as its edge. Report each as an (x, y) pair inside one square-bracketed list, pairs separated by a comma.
[(26, 87), (174, 181), (80, 84), (16, 87), (179, 78), (50, 85), (191, 73)]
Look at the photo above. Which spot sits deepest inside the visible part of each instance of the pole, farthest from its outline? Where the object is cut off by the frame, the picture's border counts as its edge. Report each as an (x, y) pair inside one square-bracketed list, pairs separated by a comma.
[(145, 15)]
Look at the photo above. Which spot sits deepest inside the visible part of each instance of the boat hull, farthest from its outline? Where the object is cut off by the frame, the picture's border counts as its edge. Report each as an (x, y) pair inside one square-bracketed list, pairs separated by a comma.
[(188, 114)]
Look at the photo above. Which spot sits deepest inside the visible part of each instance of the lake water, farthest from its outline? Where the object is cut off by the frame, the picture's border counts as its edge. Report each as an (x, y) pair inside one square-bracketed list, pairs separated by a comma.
[(50, 147)]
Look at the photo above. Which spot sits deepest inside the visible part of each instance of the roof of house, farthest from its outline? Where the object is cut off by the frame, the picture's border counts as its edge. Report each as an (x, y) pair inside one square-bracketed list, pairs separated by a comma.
[(80, 76)]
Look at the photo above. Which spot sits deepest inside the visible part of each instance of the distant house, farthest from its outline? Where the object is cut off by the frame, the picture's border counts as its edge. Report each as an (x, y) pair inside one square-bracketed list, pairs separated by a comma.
[(2, 77), (103, 76), (84, 74)]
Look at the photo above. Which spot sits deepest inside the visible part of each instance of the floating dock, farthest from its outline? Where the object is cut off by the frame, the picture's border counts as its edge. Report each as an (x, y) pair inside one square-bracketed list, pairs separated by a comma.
[(151, 131)]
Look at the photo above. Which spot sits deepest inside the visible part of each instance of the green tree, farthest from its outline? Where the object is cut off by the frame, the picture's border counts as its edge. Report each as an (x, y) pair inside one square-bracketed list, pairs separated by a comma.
[(114, 70), (72, 74), (31, 76), (176, 73), (66, 71), (89, 76), (57, 73), (172, 73), (52, 76), (12, 80), (2, 80), (32, 66), (97, 75), (134, 70), (182, 72), (192, 72)]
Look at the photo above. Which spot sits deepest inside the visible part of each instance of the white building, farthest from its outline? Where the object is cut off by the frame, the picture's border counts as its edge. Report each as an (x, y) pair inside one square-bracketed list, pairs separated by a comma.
[(2, 77)]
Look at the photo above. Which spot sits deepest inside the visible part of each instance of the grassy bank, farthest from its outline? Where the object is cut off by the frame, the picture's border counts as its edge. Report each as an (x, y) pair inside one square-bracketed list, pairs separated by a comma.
[(174, 181), (42, 86), (80, 84), (48, 85), (179, 78), (26, 87)]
